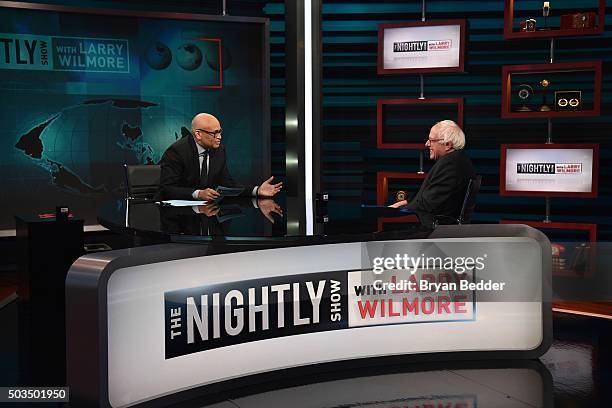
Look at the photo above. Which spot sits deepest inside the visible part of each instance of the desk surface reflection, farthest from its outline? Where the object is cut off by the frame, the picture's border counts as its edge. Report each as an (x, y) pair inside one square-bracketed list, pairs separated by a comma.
[(262, 219)]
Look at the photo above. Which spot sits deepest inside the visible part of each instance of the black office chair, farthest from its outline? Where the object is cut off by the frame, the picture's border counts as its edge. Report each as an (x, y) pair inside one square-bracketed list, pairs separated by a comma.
[(142, 180), (467, 208)]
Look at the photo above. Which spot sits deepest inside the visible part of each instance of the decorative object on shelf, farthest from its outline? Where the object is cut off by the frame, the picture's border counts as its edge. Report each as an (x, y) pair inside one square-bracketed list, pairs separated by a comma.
[(578, 21), (546, 13), (568, 100), (528, 25), (400, 195), (545, 83), (525, 92)]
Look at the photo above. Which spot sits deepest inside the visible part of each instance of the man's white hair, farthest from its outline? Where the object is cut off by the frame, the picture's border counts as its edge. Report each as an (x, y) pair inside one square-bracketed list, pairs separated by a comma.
[(450, 132)]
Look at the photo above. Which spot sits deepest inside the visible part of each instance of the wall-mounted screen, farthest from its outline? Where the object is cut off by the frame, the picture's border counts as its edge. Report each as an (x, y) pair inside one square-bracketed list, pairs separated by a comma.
[(565, 170), (84, 91), (432, 46)]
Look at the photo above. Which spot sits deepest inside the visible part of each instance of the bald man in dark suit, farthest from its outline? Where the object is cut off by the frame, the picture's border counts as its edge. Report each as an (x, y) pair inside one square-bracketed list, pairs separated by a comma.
[(194, 166)]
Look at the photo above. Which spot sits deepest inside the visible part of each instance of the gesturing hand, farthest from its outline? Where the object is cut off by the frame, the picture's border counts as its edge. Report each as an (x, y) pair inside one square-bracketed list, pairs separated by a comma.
[(208, 194), (267, 189)]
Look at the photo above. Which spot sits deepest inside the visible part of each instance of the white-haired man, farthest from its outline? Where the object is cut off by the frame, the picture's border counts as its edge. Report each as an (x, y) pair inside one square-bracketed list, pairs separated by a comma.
[(443, 190)]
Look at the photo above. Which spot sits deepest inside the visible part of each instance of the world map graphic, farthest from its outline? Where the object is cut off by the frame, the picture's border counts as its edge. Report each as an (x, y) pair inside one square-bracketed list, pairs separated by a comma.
[(80, 145)]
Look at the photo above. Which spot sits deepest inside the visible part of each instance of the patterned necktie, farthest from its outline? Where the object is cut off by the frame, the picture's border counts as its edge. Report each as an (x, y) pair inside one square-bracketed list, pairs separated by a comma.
[(204, 170)]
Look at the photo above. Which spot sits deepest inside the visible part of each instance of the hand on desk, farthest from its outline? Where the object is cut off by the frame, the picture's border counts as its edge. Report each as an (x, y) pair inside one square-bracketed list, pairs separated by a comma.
[(267, 207), (399, 204), (208, 194), (210, 209), (267, 189)]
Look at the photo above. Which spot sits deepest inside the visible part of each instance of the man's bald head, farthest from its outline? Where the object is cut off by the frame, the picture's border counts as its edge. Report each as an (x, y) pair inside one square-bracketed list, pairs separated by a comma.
[(206, 130), (205, 121)]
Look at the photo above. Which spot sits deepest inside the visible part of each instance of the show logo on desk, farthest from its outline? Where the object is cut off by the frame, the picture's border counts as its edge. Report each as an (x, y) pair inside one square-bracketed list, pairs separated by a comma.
[(421, 289), (209, 317)]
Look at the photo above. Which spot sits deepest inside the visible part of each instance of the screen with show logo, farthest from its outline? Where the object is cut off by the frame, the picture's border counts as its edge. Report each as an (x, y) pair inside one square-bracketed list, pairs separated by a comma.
[(432, 46), (562, 170)]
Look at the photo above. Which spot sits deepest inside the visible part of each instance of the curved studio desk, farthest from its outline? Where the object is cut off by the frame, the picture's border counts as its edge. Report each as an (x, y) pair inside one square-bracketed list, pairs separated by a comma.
[(234, 299)]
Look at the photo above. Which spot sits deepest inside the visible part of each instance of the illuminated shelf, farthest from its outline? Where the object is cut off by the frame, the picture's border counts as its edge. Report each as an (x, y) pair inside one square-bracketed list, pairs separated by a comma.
[(509, 70), (382, 183), (510, 34)]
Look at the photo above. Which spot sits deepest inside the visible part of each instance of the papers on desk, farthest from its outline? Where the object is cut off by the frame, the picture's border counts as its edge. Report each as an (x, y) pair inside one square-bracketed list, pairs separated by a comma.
[(182, 203)]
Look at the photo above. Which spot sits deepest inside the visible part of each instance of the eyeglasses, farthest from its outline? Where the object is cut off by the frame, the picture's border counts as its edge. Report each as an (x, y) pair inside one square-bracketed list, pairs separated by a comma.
[(216, 133), (433, 140)]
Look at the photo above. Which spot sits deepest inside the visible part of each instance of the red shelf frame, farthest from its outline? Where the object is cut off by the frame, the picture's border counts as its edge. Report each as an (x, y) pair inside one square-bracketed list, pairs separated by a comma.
[(382, 182), (380, 144), (510, 34), (381, 33), (591, 228), (508, 70), (502, 169)]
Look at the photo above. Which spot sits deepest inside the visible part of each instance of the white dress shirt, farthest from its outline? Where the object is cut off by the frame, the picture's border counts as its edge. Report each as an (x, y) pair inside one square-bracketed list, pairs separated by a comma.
[(201, 159)]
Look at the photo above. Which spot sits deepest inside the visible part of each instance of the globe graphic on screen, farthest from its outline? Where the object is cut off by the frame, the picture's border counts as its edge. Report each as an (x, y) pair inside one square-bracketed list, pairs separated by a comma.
[(189, 56), (158, 56), (212, 57), (83, 148)]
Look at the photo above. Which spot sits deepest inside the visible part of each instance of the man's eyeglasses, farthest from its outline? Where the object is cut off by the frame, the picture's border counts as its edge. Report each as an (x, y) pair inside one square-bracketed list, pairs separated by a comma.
[(433, 140), (216, 133)]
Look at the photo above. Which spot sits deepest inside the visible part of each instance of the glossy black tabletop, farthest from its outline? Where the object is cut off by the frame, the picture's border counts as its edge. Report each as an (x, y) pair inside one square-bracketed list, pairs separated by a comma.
[(246, 218)]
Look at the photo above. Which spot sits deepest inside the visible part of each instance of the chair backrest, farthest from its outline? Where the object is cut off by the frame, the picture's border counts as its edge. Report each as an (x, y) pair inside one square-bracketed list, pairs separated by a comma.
[(469, 201), (142, 180)]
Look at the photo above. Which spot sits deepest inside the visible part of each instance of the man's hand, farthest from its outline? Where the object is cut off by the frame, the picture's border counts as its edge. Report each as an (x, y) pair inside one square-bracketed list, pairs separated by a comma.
[(210, 209), (208, 194), (267, 207), (267, 189), (399, 204)]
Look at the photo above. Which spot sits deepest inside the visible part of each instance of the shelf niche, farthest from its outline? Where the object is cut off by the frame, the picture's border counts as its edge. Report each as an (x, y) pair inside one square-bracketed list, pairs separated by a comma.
[(510, 34)]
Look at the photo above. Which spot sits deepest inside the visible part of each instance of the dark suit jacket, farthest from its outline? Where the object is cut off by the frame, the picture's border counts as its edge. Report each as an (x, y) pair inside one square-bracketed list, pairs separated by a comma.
[(180, 171), (443, 190)]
